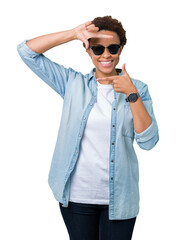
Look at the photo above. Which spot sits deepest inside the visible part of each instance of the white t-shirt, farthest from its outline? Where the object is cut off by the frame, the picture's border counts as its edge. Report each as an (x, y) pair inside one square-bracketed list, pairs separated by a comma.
[(90, 178)]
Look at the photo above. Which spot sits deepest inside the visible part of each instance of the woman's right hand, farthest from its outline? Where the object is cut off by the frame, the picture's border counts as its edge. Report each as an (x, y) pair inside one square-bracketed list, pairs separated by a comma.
[(88, 30)]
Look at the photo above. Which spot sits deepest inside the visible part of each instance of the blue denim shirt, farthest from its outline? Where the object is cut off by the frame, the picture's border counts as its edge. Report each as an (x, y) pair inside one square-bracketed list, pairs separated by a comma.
[(79, 93)]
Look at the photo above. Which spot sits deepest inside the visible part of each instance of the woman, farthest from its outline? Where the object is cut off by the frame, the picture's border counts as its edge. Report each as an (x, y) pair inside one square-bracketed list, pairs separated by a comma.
[(94, 170)]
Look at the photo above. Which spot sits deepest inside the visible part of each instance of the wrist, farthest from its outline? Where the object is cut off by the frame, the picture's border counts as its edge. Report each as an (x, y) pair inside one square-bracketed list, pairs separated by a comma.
[(75, 33), (133, 89), (71, 34)]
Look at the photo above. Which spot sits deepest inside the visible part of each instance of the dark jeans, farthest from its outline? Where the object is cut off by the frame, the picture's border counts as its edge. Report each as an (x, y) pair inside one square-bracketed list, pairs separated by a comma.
[(91, 222)]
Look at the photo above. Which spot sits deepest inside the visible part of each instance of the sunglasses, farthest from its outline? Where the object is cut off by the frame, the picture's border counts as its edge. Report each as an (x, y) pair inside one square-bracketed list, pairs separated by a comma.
[(99, 49)]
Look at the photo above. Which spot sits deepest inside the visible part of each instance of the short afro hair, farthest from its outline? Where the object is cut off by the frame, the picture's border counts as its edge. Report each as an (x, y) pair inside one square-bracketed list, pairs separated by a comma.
[(111, 24)]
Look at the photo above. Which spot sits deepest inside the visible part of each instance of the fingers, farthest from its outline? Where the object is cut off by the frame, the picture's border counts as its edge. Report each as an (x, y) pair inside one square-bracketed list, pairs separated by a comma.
[(87, 23), (106, 79), (92, 28), (101, 35)]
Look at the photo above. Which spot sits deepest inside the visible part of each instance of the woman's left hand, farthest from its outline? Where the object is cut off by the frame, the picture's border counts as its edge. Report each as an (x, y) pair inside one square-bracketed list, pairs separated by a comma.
[(122, 84)]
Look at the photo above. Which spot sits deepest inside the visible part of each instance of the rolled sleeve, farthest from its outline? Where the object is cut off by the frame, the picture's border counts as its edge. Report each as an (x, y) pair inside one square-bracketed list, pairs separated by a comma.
[(24, 50), (150, 136), (53, 74)]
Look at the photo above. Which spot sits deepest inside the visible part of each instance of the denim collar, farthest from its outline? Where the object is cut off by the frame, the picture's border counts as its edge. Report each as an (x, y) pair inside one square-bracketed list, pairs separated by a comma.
[(91, 74)]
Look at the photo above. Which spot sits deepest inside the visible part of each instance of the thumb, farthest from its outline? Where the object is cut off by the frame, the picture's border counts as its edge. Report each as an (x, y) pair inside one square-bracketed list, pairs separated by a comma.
[(86, 43), (124, 68), (84, 40)]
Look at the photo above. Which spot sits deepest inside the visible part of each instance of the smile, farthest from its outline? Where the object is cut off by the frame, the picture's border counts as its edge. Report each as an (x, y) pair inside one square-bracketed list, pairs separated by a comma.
[(106, 64)]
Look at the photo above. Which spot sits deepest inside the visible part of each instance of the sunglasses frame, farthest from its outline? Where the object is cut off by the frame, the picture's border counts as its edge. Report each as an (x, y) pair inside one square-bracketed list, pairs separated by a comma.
[(92, 47)]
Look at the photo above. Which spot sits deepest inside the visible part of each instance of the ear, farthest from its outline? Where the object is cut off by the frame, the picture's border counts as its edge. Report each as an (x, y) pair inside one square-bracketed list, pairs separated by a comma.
[(121, 48)]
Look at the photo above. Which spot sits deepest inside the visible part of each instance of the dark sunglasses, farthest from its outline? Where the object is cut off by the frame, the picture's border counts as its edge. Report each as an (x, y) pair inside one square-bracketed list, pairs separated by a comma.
[(99, 49)]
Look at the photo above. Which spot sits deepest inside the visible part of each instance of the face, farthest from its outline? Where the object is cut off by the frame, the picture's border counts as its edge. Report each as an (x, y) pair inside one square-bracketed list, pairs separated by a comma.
[(103, 70)]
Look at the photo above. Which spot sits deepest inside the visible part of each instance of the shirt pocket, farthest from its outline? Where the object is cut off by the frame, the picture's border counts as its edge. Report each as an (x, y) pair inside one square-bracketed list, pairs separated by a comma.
[(128, 125)]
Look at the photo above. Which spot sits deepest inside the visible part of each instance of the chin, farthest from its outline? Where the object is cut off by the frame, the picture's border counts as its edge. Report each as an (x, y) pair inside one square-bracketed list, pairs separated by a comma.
[(107, 71)]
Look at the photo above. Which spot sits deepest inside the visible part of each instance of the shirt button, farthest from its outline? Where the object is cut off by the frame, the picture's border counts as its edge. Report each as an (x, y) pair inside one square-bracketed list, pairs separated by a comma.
[(84, 118), (91, 104), (113, 125), (111, 160), (112, 143), (112, 178), (114, 108)]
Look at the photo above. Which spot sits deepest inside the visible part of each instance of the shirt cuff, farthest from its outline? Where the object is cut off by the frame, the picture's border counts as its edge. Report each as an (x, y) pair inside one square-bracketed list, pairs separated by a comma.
[(26, 50), (148, 133)]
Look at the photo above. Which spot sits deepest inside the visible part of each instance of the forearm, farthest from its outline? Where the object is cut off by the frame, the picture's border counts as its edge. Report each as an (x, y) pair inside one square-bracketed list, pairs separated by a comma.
[(43, 43), (141, 118)]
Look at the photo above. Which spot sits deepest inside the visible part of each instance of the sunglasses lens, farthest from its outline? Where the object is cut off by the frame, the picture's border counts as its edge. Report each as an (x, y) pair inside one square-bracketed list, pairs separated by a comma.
[(113, 49), (98, 50)]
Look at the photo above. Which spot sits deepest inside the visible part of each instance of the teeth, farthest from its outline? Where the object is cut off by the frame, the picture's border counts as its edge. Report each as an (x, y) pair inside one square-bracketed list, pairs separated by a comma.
[(106, 62)]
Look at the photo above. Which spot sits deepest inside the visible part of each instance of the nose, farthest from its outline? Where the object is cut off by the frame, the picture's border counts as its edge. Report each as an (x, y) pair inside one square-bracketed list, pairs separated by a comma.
[(106, 53)]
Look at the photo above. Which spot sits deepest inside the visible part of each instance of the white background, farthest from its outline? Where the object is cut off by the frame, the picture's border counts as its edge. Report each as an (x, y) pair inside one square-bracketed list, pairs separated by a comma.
[(31, 112)]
